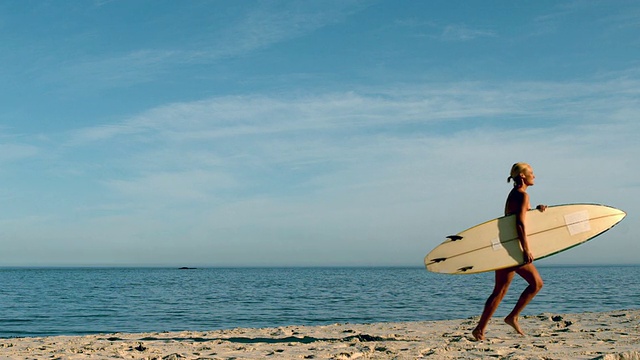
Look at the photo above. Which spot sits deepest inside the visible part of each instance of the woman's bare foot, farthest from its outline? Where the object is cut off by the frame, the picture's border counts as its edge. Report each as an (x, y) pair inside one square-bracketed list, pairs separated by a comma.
[(513, 321), (478, 334)]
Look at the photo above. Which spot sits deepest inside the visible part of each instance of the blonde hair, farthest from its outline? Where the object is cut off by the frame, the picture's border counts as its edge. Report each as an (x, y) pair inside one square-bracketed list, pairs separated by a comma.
[(516, 170)]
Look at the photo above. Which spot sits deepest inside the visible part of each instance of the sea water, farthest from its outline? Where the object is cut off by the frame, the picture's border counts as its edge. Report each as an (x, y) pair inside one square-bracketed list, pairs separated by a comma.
[(74, 301)]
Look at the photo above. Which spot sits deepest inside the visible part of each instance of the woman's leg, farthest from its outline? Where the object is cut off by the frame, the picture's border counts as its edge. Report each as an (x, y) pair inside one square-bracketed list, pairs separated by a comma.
[(503, 279), (531, 275)]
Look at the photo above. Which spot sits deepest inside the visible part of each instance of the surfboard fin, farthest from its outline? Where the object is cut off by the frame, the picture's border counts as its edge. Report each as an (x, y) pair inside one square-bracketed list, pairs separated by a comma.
[(465, 269), (454, 237)]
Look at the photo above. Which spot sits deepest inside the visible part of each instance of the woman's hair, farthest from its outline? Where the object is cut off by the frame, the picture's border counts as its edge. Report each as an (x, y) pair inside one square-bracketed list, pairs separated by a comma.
[(517, 169)]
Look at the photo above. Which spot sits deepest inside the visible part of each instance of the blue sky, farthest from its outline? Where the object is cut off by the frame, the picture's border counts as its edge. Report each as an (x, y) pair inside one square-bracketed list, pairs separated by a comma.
[(293, 133)]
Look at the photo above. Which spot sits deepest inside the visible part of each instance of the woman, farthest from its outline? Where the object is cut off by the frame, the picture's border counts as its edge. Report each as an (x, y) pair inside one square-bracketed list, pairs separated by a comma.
[(518, 205)]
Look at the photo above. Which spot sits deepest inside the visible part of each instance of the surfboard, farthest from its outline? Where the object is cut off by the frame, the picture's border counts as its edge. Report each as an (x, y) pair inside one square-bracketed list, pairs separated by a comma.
[(494, 244)]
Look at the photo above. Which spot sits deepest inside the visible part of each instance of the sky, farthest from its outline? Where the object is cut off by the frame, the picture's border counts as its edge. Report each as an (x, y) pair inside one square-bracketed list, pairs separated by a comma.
[(307, 133)]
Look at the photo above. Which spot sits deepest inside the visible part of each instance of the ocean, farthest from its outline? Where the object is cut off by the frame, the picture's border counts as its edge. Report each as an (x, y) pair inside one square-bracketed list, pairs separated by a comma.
[(79, 301)]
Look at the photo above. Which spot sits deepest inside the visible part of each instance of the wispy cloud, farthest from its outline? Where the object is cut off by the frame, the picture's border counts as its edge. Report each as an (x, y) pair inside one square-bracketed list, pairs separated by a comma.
[(192, 185), (449, 32), (565, 14), (13, 149), (233, 117), (258, 28), (268, 24), (460, 32), (261, 143)]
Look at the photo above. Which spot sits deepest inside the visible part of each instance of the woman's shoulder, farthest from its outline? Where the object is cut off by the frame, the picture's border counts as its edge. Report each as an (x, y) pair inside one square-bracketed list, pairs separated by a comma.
[(516, 199)]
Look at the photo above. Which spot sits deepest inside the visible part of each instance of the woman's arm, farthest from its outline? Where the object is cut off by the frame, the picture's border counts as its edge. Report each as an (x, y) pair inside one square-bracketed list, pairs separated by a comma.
[(521, 216)]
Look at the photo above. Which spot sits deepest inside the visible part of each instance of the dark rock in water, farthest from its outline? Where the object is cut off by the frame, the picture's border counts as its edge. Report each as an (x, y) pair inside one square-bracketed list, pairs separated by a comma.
[(186, 268)]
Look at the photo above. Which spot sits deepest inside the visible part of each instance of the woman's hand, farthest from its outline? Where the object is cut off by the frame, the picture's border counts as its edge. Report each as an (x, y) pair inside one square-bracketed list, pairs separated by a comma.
[(527, 257)]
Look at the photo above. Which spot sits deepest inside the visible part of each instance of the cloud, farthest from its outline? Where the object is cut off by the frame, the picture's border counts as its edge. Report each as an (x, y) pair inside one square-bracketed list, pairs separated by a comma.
[(386, 170), (623, 18), (193, 186), (268, 24), (257, 28), (12, 152), (463, 33), (257, 118), (285, 146), (124, 69), (450, 32)]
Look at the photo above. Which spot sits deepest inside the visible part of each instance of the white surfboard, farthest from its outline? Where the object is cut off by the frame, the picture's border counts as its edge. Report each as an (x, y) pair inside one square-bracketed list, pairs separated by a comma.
[(494, 244)]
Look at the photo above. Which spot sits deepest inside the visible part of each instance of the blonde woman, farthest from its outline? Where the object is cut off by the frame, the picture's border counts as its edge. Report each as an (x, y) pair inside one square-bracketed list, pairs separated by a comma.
[(518, 205)]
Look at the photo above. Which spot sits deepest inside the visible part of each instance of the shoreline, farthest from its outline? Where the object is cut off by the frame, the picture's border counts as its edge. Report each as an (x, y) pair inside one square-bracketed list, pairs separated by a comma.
[(589, 335)]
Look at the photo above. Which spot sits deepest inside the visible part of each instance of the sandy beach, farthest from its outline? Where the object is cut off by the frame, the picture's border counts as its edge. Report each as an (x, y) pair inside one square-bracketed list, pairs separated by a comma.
[(606, 335)]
